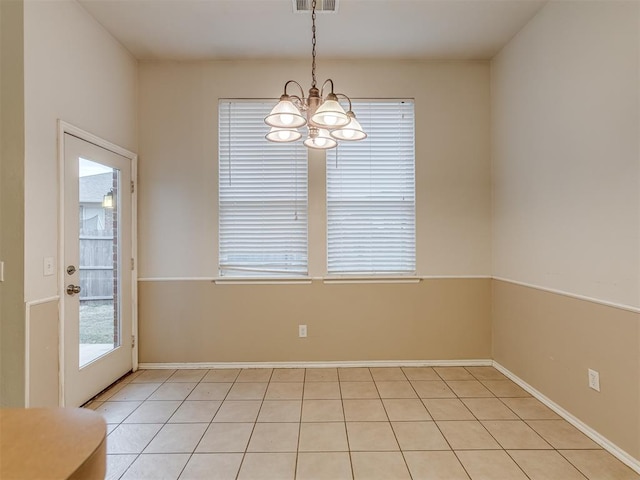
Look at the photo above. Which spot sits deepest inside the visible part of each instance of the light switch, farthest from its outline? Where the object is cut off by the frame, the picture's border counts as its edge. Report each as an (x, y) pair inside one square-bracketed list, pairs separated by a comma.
[(47, 266)]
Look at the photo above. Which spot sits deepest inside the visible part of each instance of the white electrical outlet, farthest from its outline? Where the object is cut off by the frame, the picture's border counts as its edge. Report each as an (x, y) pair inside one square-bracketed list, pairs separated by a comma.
[(302, 331), (594, 380)]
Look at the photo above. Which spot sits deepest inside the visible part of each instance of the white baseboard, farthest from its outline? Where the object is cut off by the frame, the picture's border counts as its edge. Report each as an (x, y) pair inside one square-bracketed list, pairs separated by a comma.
[(346, 364), (609, 446)]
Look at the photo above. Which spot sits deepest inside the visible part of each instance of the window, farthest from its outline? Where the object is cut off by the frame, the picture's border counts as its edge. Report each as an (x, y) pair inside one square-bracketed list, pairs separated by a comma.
[(262, 195), (371, 194)]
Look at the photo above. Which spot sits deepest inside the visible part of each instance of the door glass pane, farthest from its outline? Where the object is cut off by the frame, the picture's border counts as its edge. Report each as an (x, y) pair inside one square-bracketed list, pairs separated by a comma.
[(99, 264)]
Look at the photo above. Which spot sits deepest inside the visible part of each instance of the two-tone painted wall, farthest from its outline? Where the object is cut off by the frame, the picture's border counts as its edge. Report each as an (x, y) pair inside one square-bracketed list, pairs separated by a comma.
[(558, 204), (528, 208), (57, 63), (566, 211), (186, 317)]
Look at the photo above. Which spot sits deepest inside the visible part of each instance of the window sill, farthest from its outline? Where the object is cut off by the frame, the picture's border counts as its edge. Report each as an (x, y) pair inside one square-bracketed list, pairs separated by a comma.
[(372, 279), (262, 281), (308, 280)]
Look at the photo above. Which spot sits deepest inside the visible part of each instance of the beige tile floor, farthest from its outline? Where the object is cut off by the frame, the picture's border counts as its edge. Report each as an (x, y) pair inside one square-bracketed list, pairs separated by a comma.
[(448, 423)]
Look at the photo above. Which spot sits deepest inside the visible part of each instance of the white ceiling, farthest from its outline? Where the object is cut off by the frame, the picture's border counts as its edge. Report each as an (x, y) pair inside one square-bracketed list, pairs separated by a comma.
[(226, 29)]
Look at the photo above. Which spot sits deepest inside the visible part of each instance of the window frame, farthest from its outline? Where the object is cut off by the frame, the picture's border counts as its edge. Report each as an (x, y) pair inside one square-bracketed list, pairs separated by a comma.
[(258, 272), (314, 249), (374, 276)]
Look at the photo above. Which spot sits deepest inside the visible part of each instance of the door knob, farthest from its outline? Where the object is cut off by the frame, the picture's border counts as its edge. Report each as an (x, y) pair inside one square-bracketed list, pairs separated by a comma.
[(73, 289)]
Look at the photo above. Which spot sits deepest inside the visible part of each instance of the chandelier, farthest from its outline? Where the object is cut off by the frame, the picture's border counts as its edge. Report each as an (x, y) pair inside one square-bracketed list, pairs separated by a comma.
[(326, 120)]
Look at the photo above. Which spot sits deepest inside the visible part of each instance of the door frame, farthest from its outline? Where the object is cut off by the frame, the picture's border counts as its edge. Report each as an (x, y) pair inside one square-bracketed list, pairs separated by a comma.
[(67, 128)]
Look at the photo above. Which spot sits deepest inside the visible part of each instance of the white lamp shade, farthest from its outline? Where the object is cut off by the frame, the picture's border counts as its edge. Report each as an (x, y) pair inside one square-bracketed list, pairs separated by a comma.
[(322, 140), (282, 135), (330, 115), (351, 132), (285, 115)]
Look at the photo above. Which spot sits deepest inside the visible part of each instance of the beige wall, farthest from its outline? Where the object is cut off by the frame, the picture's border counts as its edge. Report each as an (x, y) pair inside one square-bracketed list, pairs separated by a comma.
[(178, 158), (11, 204), (74, 71), (199, 321), (42, 358), (566, 210), (566, 171), (550, 341)]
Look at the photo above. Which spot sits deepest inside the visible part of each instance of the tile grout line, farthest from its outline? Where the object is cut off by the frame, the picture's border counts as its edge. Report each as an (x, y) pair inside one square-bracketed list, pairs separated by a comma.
[(304, 377), (404, 459), (487, 430), (438, 426), (346, 433), (460, 399), (219, 407), (138, 454), (171, 416), (195, 447), (244, 454), (525, 421), (573, 465), (444, 436), (255, 421), (125, 418)]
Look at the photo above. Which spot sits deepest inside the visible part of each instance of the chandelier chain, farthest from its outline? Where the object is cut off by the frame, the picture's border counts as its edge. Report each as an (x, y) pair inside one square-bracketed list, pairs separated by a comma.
[(313, 44), (324, 117)]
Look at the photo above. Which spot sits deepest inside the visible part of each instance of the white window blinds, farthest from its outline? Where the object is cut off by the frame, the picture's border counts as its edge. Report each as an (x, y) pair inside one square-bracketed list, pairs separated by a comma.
[(371, 194), (262, 196)]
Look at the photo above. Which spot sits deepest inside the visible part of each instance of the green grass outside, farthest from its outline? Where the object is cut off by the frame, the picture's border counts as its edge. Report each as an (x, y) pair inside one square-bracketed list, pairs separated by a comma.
[(96, 322)]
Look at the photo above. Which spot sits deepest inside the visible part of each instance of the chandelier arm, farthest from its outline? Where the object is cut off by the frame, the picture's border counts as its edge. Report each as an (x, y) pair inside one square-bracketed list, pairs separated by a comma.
[(328, 80), (299, 102), (299, 86), (348, 99)]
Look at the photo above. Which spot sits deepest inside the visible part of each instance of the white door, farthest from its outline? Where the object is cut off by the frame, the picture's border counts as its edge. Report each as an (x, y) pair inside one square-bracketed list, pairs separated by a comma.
[(97, 265)]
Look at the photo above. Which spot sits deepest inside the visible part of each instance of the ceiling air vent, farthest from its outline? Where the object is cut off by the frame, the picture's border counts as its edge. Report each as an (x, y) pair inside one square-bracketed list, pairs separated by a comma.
[(325, 6)]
